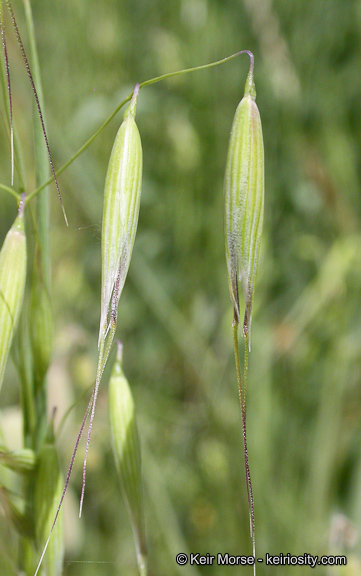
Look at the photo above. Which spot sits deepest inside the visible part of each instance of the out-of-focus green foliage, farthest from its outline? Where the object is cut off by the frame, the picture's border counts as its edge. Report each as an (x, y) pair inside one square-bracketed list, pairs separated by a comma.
[(304, 395)]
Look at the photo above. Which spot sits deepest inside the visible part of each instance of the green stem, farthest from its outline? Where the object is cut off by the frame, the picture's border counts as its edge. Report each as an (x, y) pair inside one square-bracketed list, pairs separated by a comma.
[(11, 191), (82, 149), (15, 150), (197, 68), (127, 99), (242, 401), (41, 154)]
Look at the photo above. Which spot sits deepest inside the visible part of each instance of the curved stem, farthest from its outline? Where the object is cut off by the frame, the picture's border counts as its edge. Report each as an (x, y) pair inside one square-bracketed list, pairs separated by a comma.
[(127, 99), (10, 191), (82, 148), (197, 68)]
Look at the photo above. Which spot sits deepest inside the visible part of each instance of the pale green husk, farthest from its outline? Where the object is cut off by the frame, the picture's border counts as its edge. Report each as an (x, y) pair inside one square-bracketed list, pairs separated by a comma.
[(12, 284), (120, 212), (120, 219), (244, 201), (126, 451)]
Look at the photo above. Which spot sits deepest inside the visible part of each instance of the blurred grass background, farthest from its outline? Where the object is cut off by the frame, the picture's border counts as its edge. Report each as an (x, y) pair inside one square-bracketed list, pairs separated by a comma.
[(175, 315)]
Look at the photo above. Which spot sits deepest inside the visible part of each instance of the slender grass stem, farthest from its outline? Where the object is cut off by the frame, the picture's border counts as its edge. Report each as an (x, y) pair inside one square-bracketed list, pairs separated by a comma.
[(6, 62), (12, 133), (82, 148), (41, 154), (195, 69), (242, 401), (11, 191), (27, 66)]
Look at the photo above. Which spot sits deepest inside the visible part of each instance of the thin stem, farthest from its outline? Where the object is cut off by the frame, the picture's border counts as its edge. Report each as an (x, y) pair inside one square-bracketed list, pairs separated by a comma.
[(6, 61), (11, 191), (18, 157), (127, 99), (27, 66), (242, 400), (196, 68), (41, 157), (82, 148)]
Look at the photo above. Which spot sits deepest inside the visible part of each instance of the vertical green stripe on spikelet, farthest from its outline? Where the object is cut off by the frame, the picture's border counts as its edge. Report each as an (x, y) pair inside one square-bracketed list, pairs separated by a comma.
[(41, 326), (126, 450), (12, 284), (121, 208), (47, 494), (244, 199)]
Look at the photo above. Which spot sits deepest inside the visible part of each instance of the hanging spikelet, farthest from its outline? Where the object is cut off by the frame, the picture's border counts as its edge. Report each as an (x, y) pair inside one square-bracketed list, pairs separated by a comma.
[(244, 200)]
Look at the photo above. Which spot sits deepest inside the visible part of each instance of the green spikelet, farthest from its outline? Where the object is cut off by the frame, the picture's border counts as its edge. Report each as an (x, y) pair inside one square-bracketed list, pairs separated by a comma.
[(244, 200), (120, 213), (12, 284), (126, 451), (48, 491), (120, 219)]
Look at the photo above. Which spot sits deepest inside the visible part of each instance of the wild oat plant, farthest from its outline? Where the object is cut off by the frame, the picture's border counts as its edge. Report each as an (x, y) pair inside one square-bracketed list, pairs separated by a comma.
[(32, 487), (32, 483)]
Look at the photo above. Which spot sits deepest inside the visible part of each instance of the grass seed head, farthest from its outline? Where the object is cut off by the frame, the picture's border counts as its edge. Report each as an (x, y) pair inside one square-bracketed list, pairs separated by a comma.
[(47, 493), (120, 212), (12, 284), (244, 200), (126, 451)]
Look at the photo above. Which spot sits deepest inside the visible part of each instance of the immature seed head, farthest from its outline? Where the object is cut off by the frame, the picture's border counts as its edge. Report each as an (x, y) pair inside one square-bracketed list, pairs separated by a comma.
[(126, 451), (120, 213), (244, 200), (12, 284), (47, 493)]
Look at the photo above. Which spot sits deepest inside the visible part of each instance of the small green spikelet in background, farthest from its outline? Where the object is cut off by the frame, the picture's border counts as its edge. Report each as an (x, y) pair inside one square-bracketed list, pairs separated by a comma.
[(47, 493), (126, 451), (244, 200), (41, 326), (12, 284), (17, 512), (21, 461)]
